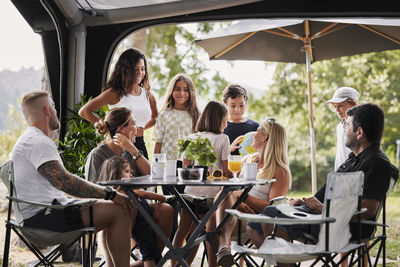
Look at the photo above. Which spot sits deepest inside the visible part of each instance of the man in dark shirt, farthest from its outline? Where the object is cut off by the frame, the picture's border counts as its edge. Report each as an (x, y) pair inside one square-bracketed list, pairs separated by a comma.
[(363, 130)]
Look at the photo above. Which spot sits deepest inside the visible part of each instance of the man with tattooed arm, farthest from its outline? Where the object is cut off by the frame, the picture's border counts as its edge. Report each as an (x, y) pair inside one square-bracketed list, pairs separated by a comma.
[(40, 176)]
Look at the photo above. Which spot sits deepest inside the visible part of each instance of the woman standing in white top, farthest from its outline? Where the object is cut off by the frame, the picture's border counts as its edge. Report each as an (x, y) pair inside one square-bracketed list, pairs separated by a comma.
[(271, 145), (128, 87)]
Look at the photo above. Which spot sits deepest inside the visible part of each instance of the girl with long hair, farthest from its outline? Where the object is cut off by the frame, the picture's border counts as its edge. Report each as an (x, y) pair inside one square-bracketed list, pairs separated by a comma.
[(178, 116), (211, 125), (150, 245), (272, 163), (127, 87)]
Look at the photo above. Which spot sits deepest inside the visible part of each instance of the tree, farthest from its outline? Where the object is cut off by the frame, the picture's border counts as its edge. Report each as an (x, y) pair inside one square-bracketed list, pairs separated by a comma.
[(374, 75), (171, 50)]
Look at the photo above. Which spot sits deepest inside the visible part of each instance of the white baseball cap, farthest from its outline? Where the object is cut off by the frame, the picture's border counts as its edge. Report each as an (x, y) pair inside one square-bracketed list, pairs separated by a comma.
[(344, 93)]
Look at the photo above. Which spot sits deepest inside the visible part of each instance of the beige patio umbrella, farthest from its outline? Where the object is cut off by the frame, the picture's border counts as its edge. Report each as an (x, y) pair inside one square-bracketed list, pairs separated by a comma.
[(302, 41)]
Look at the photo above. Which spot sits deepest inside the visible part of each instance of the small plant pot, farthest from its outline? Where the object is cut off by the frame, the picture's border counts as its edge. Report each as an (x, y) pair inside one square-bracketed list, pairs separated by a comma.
[(205, 170), (190, 174)]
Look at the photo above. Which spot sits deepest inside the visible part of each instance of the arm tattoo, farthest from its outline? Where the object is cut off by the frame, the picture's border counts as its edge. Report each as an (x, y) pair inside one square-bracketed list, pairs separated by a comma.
[(71, 184)]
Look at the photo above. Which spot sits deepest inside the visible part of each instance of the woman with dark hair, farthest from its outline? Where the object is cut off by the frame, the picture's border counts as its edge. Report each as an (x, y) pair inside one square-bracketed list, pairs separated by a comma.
[(127, 87), (120, 128)]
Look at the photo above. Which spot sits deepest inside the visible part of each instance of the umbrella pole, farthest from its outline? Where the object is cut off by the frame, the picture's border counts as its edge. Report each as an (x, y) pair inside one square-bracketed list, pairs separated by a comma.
[(312, 133)]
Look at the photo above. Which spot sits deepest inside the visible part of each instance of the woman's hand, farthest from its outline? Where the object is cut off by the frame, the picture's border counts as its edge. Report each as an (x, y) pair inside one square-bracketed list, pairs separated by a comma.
[(235, 143), (124, 142), (160, 198), (243, 207), (105, 98)]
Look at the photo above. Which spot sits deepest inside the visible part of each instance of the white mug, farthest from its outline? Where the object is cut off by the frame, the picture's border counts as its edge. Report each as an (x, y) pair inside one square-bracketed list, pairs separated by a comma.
[(159, 157), (170, 169), (157, 169), (250, 171)]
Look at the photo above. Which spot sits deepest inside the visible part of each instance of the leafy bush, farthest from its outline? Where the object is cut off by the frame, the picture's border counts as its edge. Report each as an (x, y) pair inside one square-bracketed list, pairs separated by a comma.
[(79, 139), (197, 149)]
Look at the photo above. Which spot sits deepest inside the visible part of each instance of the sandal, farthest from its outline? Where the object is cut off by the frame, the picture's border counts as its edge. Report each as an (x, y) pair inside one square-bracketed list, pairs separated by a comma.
[(224, 257)]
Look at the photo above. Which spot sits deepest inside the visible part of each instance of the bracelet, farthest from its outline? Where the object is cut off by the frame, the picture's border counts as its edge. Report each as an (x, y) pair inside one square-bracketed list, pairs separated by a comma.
[(137, 156)]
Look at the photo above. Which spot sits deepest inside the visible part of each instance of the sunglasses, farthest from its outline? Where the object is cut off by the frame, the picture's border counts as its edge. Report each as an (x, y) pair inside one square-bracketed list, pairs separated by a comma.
[(217, 175), (270, 120)]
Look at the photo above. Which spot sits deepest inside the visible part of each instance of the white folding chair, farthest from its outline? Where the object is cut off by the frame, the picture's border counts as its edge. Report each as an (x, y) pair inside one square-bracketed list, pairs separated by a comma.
[(342, 200)]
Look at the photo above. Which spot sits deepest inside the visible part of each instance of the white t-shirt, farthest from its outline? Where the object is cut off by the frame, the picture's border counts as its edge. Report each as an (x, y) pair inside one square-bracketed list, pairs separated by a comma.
[(220, 143), (33, 148), (170, 126), (138, 104), (342, 151)]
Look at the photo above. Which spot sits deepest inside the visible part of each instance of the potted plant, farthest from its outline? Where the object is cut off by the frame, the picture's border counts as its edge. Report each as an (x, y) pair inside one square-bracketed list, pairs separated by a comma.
[(198, 150)]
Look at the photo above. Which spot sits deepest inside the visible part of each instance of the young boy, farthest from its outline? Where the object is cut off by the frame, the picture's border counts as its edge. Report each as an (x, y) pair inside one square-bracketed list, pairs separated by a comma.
[(343, 99), (235, 98)]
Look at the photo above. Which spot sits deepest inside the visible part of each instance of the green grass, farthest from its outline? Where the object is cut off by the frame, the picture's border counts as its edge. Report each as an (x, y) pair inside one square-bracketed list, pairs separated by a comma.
[(393, 231)]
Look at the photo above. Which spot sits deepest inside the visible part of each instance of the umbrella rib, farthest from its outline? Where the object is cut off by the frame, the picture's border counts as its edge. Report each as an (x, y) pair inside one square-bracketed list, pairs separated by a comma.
[(233, 45), (317, 35), (380, 33), (327, 30), (288, 34)]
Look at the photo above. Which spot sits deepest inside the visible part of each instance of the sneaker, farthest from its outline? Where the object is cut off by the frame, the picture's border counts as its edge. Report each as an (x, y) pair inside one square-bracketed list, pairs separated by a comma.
[(224, 257)]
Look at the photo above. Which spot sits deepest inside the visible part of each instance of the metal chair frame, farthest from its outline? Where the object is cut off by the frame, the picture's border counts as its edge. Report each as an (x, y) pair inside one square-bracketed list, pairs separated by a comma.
[(48, 259)]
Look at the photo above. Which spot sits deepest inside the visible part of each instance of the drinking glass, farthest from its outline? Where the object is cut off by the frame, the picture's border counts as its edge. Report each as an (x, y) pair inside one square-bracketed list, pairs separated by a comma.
[(235, 166)]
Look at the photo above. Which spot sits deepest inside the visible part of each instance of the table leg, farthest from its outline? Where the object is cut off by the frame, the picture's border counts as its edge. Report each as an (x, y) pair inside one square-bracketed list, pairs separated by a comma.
[(172, 190), (195, 238), (235, 205), (152, 223)]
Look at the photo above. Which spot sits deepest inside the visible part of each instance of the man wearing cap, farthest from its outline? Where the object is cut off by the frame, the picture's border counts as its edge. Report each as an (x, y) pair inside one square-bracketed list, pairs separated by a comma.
[(343, 99)]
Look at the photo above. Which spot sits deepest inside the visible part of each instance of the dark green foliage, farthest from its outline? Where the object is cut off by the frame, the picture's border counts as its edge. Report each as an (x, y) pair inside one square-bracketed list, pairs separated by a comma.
[(79, 139), (198, 149), (171, 50)]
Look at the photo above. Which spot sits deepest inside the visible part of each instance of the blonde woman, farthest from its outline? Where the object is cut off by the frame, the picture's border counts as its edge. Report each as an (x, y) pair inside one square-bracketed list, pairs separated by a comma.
[(271, 145)]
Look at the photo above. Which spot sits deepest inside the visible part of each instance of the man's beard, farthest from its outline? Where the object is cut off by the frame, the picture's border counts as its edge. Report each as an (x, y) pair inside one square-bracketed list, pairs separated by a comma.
[(54, 124), (352, 142)]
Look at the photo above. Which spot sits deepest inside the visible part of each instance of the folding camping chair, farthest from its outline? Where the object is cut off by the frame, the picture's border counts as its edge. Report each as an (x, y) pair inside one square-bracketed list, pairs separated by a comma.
[(342, 200), (34, 238), (375, 239)]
